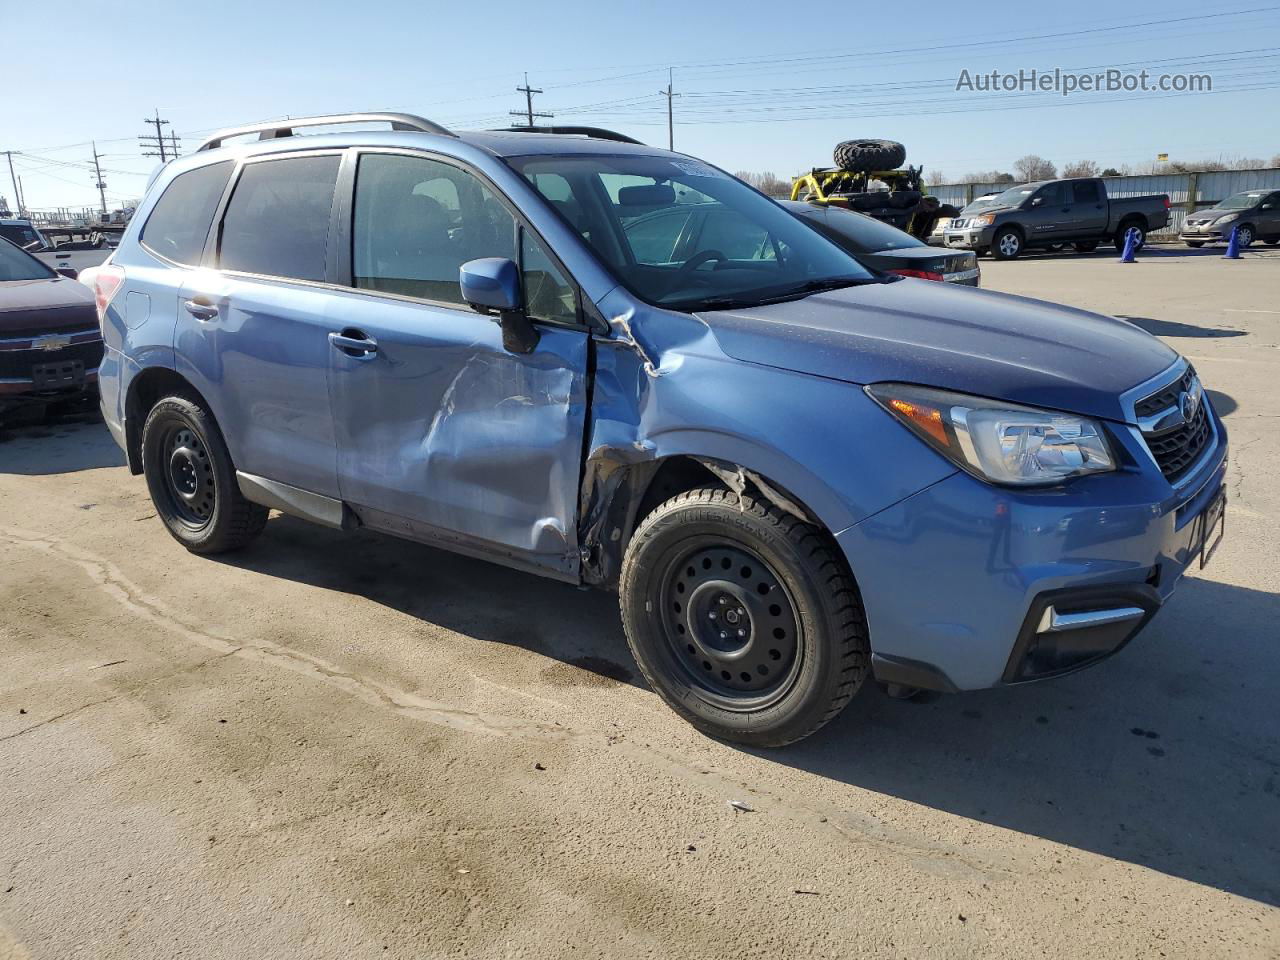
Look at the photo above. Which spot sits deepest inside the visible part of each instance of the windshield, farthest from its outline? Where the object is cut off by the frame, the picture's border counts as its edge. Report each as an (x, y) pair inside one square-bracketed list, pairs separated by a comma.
[(856, 232), (1014, 196), (16, 265), (986, 202), (681, 234), (1240, 201)]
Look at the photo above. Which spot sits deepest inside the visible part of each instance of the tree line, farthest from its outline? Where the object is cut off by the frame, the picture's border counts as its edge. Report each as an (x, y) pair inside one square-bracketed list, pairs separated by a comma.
[(1034, 167)]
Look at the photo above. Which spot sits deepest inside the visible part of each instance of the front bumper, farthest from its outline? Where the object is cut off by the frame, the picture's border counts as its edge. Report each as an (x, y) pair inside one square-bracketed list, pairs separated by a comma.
[(968, 238), (958, 580), (1209, 234)]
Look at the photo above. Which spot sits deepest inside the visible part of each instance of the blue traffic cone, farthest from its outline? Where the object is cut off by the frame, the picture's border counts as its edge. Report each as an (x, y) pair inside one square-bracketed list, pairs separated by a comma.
[(1233, 245), (1130, 246)]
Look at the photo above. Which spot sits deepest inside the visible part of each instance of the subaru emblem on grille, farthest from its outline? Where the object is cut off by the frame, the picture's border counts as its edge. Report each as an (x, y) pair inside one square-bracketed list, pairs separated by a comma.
[(1189, 404), (51, 342)]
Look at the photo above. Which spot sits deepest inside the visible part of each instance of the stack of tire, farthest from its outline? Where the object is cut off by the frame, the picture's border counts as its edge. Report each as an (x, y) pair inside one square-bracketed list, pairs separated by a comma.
[(894, 207)]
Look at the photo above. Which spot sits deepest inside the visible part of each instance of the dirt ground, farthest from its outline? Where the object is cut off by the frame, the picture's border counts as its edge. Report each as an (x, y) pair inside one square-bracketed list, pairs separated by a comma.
[(339, 746)]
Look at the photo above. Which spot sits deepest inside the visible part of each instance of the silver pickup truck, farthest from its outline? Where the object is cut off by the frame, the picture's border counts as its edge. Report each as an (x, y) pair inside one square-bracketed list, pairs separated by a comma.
[(1053, 212)]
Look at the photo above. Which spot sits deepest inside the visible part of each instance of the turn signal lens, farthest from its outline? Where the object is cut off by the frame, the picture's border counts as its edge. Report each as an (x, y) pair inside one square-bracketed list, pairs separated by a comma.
[(923, 417)]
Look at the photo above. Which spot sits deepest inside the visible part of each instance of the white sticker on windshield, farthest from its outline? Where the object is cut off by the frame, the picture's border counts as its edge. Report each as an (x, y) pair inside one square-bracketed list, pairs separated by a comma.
[(695, 169)]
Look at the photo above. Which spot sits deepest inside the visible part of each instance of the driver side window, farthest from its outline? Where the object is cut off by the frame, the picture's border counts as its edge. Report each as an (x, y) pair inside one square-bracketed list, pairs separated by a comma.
[(417, 221)]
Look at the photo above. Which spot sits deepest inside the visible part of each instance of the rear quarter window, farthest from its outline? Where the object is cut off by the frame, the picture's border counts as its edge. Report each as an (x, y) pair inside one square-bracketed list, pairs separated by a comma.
[(179, 222)]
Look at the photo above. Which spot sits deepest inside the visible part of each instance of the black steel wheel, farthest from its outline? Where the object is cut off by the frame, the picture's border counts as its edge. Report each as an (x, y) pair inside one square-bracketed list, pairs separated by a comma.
[(188, 476), (193, 481), (742, 617), (730, 624)]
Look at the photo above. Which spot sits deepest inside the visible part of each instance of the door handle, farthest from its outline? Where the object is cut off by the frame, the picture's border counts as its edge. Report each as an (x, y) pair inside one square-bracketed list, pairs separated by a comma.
[(201, 308), (354, 344)]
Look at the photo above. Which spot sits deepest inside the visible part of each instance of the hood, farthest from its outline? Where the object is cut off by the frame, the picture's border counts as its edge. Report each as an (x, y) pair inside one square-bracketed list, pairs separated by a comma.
[(1212, 213), (42, 305), (43, 292), (983, 211), (957, 338)]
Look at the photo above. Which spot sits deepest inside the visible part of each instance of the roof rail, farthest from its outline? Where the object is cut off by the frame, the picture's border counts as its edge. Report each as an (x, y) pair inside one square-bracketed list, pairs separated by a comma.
[(276, 129), (596, 133)]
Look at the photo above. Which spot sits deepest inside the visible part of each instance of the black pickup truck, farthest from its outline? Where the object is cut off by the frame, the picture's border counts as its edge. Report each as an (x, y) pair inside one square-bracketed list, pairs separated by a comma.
[(1052, 212)]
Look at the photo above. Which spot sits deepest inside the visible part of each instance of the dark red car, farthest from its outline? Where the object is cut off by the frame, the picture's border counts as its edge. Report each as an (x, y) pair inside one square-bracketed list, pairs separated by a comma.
[(50, 342)]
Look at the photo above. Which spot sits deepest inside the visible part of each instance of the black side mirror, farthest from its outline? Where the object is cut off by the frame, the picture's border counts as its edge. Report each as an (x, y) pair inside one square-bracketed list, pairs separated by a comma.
[(71, 273), (492, 285)]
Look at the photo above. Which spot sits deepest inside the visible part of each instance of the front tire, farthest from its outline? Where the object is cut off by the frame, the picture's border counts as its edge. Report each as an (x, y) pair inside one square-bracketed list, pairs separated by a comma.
[(1007, 244), (744, 619), (1195, 244), (192, 480)]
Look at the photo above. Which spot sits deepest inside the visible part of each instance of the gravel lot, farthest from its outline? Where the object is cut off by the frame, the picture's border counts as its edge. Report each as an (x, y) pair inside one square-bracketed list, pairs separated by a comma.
[(342, 747)]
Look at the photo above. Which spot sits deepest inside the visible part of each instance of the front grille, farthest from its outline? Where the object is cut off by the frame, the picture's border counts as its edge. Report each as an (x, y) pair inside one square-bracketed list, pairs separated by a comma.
[(17, 364), (1177, 449), (1166, 397)]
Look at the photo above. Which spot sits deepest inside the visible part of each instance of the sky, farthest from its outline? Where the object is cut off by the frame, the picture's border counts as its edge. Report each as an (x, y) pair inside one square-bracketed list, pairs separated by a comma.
[(762, 86)]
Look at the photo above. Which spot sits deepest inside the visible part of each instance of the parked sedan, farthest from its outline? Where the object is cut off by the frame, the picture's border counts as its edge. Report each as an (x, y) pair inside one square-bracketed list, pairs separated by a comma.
[(50, 342), (1254, 214), (882, 247)]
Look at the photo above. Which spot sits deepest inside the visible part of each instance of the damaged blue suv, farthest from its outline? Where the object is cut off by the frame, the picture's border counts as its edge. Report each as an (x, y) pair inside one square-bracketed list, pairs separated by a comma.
[(614, 365)]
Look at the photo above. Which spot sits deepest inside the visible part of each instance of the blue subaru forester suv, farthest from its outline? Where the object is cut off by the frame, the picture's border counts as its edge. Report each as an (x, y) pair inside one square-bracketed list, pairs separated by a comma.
[(794, 472)]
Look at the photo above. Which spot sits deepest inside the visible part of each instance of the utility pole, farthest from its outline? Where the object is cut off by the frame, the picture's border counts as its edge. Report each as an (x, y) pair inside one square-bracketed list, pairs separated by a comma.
[(97, 180), (153, 144), (17, 194), (173, 145), (527, 112), (671, 134)]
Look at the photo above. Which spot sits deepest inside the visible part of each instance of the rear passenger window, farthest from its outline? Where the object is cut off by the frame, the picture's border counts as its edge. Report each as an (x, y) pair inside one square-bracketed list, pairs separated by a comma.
[(179, 222), (1085, 191), (418, 220), (277, 222)]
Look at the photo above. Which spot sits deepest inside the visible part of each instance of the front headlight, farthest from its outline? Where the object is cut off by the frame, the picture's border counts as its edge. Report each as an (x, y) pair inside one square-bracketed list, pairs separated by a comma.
[(1228, 218), (983, 221), (997, 441)]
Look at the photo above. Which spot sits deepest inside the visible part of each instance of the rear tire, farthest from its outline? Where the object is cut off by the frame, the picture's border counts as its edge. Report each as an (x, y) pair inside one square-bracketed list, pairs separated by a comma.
[(192, 480), (1139, 241), (744, 619), (1272, 242), (1007, 244)]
